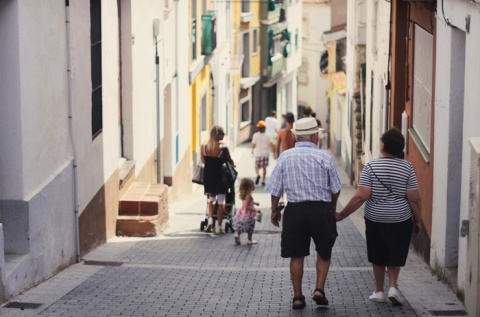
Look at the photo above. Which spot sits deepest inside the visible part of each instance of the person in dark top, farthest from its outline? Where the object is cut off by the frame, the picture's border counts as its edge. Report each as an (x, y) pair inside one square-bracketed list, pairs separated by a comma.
[(213, 155)]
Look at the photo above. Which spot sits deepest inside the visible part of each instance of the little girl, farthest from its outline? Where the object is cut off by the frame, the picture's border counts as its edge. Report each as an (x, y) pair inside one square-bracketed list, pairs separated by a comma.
[(244, 220)]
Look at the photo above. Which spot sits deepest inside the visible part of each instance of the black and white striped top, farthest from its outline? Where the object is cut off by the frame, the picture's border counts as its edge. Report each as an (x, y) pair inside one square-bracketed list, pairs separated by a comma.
[(389, 179)]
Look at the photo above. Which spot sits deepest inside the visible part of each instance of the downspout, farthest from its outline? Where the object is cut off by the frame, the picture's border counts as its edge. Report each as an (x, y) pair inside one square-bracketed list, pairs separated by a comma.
[(70, 128), (388, 86), (158, 130)]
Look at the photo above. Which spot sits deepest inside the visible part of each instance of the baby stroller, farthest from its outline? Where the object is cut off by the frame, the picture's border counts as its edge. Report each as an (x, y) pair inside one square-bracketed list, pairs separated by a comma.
[(230, 210)]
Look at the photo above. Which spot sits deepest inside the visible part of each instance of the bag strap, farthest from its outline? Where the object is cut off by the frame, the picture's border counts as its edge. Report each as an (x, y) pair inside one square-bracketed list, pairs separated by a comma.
[(389, 188), (225, 154)]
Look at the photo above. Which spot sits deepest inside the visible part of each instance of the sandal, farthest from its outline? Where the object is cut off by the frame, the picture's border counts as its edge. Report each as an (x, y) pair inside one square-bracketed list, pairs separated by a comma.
[(320, 299), (299, 299)]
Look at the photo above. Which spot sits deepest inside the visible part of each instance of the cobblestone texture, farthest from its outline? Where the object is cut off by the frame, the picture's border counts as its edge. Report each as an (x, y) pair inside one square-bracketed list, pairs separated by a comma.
[(186, 272)]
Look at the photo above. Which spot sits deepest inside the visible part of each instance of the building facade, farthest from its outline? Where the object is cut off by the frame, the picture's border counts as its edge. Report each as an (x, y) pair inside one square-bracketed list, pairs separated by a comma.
[(92, 108)]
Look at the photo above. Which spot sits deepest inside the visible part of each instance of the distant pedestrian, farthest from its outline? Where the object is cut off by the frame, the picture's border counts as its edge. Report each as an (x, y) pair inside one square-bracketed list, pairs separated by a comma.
[(285, 138), (244, 219), (389, 187), (310, 179), (320, 130), (307, 112), (261, 142), (284, 121), (271, 128)]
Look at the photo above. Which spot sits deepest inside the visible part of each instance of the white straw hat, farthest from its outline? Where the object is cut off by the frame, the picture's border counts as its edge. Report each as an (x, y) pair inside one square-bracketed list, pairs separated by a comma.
[(305, 126)]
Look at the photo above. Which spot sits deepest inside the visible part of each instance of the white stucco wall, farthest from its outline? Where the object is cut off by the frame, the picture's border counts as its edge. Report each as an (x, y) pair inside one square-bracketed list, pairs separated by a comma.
[(182, 92), (174, 72), (294, 26), (43, 92), (11, 165), (97, 159), (144, 90), (377, 49), (314, 93), (220, 64), (456, 12), (36, 204), (448, 105)]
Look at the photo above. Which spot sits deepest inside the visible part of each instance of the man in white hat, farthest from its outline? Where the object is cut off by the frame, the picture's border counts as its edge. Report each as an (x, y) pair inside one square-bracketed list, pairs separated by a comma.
[(309, 177)]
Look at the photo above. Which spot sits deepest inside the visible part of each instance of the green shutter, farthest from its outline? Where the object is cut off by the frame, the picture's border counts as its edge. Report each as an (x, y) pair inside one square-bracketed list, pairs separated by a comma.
[(209, 34)]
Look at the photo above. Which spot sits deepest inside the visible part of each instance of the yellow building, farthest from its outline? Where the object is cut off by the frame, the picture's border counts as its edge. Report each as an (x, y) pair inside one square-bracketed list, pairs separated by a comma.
[(200, 73), (246, 67)]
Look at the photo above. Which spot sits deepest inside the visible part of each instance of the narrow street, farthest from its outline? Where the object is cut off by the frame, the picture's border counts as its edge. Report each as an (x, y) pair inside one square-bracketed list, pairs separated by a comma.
[(187, 272)]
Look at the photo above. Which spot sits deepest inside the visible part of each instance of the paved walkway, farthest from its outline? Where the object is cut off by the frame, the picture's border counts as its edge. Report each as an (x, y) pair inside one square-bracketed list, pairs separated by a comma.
[(186, 272)]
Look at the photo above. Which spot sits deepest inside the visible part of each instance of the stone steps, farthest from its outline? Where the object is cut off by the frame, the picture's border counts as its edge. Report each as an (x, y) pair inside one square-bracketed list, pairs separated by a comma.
[(143, 210)]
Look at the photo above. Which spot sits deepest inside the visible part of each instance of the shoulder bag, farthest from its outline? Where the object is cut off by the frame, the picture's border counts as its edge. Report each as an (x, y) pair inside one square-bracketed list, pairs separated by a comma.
[(229, 174)]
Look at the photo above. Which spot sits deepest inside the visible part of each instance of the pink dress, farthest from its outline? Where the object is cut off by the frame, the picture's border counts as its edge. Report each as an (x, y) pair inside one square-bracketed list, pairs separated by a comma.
[(244, 220)]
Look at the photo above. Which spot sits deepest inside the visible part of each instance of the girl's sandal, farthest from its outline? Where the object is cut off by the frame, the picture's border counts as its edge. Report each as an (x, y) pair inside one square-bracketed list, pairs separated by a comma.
[(300, 305)]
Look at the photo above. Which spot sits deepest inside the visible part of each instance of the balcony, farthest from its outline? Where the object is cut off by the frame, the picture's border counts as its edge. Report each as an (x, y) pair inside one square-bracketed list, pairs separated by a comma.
[(271, 11), (276, 68), (246, 17), (275, 38)]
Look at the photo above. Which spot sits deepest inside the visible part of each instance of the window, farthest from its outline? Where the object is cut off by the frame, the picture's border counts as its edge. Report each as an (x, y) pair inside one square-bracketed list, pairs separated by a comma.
[(203, 110), (245, 6), (302, 76), (422, 84), (255, 41), (194, 29), (96, 65), (245, 115), (246, 54), (277, 47), (305, 27), (297, 47)]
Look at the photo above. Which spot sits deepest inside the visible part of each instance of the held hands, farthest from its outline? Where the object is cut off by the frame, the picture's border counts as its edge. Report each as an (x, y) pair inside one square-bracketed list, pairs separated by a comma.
[(338, 217)]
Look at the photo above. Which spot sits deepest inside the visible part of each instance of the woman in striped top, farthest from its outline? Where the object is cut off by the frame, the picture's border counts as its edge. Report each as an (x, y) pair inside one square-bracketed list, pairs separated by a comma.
[(389, 188)]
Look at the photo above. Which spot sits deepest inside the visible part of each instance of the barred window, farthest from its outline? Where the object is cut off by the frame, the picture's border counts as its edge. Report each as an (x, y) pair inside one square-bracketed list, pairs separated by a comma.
[(422, 84)]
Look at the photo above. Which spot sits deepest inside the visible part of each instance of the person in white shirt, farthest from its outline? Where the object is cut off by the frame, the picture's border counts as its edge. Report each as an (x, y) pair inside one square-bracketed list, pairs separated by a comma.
[(271, 128), (261, 146)]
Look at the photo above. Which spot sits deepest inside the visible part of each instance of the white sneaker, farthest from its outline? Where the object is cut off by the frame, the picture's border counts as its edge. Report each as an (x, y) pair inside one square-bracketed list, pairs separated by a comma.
[(394, 296), (378, 297), (251, 242)]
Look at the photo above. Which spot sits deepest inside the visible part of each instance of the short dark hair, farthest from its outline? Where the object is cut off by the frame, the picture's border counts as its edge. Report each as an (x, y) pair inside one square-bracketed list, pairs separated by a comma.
[(273, 113), (393, 142), (290, 117)]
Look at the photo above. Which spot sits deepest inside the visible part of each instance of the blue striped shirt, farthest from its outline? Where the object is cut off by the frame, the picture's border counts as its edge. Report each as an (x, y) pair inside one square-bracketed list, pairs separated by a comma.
[(389, 179), (305, 173)]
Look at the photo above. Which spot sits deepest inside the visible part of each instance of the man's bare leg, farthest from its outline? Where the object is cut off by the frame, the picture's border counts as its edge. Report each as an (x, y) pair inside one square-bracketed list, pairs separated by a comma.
[(322, 267), (296, 274)]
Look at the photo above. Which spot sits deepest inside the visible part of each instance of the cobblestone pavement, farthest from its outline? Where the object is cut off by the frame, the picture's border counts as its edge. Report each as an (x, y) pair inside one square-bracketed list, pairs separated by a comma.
[(186, 272)]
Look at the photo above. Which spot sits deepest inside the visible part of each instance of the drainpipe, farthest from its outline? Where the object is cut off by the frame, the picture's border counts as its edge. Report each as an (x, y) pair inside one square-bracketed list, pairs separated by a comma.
[(70, 128), (158, 113)]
